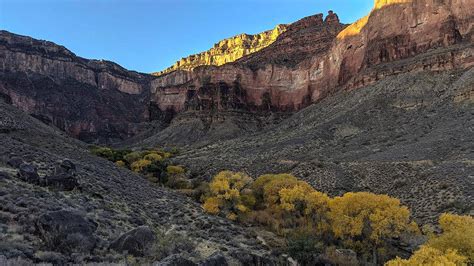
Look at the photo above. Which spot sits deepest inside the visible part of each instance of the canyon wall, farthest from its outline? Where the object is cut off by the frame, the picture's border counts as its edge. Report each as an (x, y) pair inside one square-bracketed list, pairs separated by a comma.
[(314, 58), (89, 99)]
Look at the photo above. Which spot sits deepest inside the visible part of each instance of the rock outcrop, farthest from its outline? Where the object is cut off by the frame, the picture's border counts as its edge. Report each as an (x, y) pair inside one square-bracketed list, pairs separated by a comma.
[(89, 99), (228, 50)]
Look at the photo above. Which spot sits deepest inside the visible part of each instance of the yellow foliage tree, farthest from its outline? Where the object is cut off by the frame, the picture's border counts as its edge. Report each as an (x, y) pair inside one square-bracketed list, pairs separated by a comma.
[(457, 234), (139, 166), (225, 190), (120, 163), (259, 184), (429, 256), (305, 207), (370, 217)]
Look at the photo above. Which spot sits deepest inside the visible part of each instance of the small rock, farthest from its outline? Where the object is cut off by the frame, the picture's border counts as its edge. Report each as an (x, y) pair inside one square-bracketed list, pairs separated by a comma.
[(136, 242), (67, 231), (216, 259), (15, 162), (28, 173), (174, 260)]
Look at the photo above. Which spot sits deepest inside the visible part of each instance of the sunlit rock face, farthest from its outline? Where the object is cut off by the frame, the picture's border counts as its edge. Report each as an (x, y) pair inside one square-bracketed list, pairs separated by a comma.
[(89, 99), (315, 57), (228, 50)]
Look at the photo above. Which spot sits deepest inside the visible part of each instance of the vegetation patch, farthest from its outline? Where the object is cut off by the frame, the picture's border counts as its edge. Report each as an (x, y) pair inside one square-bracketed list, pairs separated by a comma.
[(357, 226)]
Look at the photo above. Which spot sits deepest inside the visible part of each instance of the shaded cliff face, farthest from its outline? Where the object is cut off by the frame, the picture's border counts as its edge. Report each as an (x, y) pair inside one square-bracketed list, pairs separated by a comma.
[(228, 50), (314, 58), (89, 99)]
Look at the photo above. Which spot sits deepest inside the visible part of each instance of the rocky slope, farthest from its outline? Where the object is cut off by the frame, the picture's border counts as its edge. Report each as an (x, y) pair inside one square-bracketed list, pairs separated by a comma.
[(59, 204), (228, 50), (408, 136), (89, 99)]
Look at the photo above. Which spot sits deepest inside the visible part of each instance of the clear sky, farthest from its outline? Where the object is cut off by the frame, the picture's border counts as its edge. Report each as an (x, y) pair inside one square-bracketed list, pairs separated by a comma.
[(150, 35)]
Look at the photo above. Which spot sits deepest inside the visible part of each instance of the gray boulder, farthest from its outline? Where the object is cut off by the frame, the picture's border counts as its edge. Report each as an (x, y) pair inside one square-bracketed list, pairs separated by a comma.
[(136, 242), (67, 231), (28, 173)]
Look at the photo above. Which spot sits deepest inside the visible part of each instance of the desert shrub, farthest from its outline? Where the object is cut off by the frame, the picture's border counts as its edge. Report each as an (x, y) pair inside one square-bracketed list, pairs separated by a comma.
[(139, 165), (178, 182), (132, 157), (431, 256), (174, 170), (103, 152), (153, 157), (171, 243), (120, 163), (201, 191)]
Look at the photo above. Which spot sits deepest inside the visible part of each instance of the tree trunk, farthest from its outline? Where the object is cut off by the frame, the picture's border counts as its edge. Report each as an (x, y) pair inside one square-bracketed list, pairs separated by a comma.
[(374, 256)]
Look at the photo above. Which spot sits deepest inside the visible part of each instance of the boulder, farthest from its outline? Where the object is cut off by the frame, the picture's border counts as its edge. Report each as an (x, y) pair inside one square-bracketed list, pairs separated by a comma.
[(28, 173), (136, 242), (67, 231), (63, 181), (174, 260), (216, 259)]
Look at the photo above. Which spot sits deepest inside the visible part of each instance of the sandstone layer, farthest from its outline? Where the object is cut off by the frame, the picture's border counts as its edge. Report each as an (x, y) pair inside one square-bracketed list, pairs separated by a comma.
[(228, 50)]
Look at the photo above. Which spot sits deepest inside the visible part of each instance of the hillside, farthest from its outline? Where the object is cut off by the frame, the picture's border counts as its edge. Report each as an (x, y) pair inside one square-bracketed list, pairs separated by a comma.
[(95, 193)]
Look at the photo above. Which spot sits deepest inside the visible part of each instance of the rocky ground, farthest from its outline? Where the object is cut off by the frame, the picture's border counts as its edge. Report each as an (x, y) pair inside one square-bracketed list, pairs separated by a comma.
[(409, 136), (60, 204)]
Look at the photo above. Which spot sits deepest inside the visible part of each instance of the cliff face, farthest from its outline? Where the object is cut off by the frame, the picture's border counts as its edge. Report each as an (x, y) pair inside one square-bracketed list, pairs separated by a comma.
[(89, 99), (263, 81), (228, 50), (313, 58)]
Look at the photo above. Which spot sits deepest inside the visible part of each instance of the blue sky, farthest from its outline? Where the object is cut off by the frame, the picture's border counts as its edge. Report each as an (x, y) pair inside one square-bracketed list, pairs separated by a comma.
[(150, 35)]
